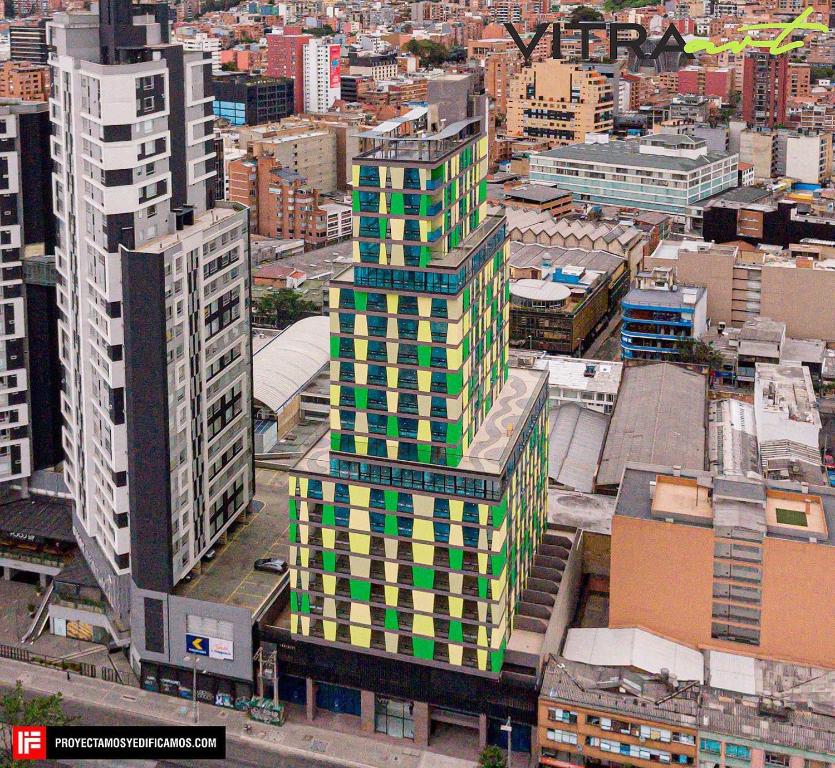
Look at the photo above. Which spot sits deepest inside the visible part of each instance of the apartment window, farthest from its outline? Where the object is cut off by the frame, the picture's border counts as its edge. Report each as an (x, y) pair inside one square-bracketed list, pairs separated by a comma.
[(556, 715), (710, 745), (777, 759), (737, 751), (562, 737)]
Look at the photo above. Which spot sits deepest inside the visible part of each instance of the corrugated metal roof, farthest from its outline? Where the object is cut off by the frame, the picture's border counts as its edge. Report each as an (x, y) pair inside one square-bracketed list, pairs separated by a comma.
[(288, 362), (575, 442), (659, 418)]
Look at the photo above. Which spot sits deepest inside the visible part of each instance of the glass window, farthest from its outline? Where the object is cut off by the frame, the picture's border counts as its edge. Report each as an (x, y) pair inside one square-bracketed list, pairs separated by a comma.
[(393, 717), (710, 745)]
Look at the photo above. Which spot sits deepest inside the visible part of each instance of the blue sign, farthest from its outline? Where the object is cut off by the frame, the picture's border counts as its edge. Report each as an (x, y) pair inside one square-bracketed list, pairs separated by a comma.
[(197, 644)]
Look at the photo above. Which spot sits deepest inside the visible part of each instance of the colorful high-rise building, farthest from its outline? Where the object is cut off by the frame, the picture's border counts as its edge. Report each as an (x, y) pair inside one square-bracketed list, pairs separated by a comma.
[(414, 522), (765, 88)]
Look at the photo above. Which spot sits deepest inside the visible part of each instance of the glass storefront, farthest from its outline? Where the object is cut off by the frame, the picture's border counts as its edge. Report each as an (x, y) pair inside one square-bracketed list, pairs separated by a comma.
[(394, 718)]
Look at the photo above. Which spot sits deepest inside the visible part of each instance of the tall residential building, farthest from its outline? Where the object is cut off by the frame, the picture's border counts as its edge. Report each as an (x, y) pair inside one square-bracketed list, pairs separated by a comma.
[(560, 102), (285, 59), (153, 294), (19, 80), (322, 75), (415, 522), (715, 563), (765, 88), (28, 43), (25, 230)]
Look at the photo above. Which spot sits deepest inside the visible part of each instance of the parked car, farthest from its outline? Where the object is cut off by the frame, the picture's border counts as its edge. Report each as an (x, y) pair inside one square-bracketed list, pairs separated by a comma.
[(210, 555), (270, 565)]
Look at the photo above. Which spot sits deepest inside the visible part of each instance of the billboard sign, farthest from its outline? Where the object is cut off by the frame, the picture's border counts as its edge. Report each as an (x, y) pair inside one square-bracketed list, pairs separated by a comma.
[(335, 66)]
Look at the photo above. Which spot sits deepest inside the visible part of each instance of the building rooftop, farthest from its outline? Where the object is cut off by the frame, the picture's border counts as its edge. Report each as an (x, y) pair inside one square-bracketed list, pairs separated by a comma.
[(536, 193), (489, 449), (582, 374), (750, 699), (575, 442), (550, 258), (683, 296), (659, 417), (287, 362), (785, 403), (692, 497), (628, 153), (539, 290)]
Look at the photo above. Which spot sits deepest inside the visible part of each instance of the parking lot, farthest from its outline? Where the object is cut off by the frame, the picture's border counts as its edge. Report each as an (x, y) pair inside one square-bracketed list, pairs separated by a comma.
[(230, 576)]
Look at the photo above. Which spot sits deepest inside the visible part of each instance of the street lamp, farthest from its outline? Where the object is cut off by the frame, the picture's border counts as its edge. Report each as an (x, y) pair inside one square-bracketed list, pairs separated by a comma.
[(508, 728), (193, 658)]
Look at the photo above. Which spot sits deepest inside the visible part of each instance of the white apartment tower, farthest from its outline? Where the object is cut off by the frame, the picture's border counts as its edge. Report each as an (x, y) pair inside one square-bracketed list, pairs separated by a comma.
[(25, 230), (153, 301), (322, 75)]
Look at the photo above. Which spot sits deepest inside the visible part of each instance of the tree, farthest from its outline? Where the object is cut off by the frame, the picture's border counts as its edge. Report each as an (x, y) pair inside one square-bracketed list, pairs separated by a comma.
[(693, 351), (428, 51), (822, 72), (229, 66), (285, 306), (492, 757), (323, 31), (18, 709), (584, 13)]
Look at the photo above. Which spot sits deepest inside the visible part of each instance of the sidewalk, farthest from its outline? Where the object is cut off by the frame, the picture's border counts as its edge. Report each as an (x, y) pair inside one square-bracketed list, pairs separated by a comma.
[(292, 738)]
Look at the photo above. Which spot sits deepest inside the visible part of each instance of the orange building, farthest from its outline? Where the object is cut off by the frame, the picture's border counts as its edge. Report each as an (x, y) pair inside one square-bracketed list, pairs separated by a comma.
[(725, 563), (559, 102), (800, 80), (499, 68), (20, 80)]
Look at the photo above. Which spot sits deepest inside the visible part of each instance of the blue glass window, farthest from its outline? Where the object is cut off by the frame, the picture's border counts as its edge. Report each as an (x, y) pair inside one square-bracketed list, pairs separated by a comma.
[(341, 516), (347, 419), (377, 326), (470, 536), (438, 382), (407, 452), (378, 522), (346, 348), (470, 512), (439, 308), (346, 397), (407, 353), (438, 331), (407, 329), (370, 253), (412, 230), (439, 409), (377, 302), (346, 372), (404, 502), (314, 489), (411, 255), (378, 498), (377, 351), (411, 178), (346, 298), (377, 375), (441, 532), (405, 526), (407, 403), (442, 508), (369, 176), (377, 400), (408, 305), (377, 447), (407, 379), (407, 427), (377, 423), (438, 359)]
